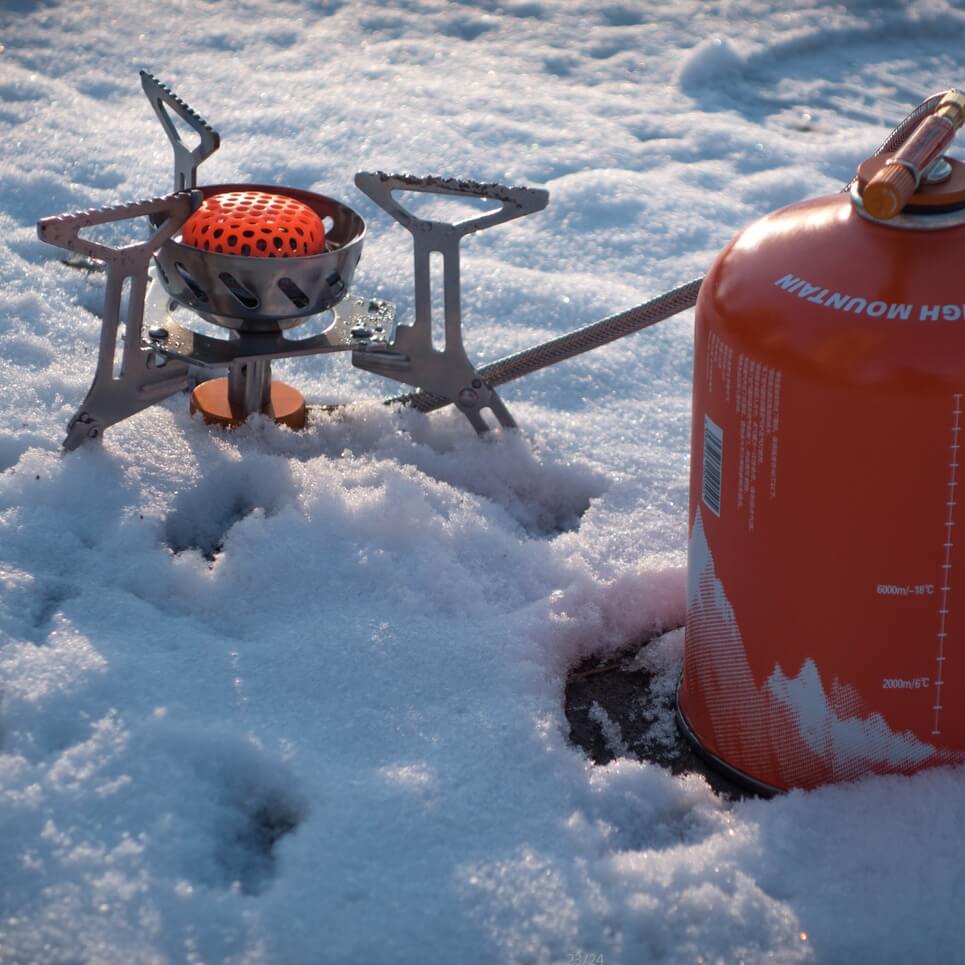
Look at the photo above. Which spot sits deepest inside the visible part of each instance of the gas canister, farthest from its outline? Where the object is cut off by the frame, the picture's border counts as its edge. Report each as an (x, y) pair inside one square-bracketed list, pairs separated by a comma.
[(826, 588)]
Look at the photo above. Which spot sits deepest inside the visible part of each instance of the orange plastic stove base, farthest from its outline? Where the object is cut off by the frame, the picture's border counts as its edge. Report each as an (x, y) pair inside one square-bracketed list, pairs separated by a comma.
[(287, 405)]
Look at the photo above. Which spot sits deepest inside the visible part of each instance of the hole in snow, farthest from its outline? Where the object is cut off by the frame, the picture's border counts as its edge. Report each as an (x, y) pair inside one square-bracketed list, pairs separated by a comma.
[(185, 532), (624, 705), (48, 603), (250, 857), (202, 517), (228, 802)]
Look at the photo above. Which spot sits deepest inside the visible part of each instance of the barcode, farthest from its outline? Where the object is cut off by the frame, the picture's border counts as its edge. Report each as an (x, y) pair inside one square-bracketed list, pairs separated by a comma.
[(713, 457)]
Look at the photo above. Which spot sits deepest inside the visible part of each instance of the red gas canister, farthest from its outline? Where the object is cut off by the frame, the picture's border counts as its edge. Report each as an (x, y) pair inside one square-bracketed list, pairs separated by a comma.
[(825, 623)]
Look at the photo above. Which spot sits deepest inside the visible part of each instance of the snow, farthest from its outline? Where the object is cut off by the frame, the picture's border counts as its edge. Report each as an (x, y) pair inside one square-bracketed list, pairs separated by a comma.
[(713, 61), (270, 697)]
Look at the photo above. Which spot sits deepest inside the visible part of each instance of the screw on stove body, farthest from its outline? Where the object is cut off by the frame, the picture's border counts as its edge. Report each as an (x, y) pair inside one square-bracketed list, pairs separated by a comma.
[(84, 419), (158, 336)]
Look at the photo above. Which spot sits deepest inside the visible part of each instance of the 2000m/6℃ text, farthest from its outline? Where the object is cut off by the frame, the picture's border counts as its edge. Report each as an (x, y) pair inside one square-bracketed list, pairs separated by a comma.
[(900, 683)]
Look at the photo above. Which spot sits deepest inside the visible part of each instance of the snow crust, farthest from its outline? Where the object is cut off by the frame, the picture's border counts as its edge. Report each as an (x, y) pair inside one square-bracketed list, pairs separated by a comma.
[(268, 697)]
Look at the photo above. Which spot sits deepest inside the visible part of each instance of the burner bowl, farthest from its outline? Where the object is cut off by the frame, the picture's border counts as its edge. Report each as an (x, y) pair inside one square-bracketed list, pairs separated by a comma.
[(248, 294)]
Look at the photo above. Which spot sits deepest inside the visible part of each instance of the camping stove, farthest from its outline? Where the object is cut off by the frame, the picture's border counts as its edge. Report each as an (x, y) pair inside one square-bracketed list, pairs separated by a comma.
[(257, 301), (827, 400)]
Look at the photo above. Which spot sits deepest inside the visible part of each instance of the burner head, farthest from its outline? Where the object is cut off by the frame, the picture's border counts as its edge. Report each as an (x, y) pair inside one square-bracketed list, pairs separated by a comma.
[(255, 223), (264, 294)]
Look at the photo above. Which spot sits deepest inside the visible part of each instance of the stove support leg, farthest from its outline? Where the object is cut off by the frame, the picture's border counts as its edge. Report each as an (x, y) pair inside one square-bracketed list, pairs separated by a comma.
[(412, 358), (145, 378)]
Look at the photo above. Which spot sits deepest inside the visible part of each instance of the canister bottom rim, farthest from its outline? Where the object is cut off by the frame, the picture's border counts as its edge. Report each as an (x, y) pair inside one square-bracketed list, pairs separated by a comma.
[(718, 763)]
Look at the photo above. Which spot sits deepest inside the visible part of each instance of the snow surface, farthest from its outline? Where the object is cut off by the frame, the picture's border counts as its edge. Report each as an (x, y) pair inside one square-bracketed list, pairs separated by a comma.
[(299, 698)]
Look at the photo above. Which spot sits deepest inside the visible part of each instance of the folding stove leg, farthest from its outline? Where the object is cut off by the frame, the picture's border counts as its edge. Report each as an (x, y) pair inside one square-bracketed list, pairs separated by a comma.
[(411, 357), (146, 376), (186, 161)]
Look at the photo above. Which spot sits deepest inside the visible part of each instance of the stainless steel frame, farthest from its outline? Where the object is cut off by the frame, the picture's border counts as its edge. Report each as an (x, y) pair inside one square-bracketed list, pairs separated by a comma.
[(256, 300), (412, 358), (144, 377)]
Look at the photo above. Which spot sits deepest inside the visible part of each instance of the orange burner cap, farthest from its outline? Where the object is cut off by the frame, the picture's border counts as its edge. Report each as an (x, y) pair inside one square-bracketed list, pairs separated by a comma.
[(255, 223)]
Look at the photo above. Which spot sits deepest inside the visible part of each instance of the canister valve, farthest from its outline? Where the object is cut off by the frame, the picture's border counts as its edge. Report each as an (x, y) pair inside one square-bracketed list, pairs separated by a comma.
[(891, 188)]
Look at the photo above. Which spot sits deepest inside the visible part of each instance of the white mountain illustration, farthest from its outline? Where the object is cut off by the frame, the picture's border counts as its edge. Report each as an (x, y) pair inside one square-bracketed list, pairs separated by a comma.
[(790, 731)]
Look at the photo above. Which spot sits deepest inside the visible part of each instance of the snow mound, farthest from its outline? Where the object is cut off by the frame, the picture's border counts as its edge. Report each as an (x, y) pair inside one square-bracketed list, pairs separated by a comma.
[(711, 62)]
